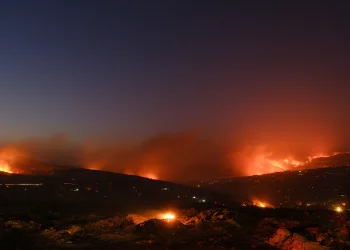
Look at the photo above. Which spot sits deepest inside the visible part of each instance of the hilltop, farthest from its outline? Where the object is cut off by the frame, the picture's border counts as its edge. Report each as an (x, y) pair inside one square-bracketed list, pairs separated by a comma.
[(84, 186)]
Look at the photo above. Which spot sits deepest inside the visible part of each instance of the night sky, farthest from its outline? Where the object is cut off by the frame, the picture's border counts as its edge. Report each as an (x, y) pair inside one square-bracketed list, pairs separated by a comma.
[(240, 71)]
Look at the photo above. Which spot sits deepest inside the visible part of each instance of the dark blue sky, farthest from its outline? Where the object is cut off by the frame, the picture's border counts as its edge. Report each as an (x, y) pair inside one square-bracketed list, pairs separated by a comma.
[(132, 69)]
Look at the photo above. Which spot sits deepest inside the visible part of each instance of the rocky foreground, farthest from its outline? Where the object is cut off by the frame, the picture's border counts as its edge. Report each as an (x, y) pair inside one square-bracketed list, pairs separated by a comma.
[(246, 228)]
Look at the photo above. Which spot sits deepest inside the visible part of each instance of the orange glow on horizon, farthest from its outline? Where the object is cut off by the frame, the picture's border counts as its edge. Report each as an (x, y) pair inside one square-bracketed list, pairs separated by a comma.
[(142, 174), (93, 166), (150, 176)]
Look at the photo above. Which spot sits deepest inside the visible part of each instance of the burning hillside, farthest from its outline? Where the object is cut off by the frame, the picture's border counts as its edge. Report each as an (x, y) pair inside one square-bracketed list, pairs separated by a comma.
[(16, 161), (260, 161), (5, 167), (10, 158), (172, 157)]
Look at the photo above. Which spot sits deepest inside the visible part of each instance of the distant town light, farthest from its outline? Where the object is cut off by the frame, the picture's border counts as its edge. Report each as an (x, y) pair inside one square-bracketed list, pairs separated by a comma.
[(23, 184)]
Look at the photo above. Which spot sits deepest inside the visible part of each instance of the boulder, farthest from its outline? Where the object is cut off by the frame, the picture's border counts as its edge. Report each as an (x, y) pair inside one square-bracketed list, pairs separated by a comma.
[(288, 224), (313, 231), (279, 237), (342, 234), (214, 216), (283, 239), (157, 226), (325, 239), (309, 245), (300, 243), (137, 219)]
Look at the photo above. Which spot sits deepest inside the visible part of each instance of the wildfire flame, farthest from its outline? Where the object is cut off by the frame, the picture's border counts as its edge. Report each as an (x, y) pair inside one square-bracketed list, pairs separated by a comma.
[(259, 163), (262, 204), (12, 160), (262, 164), (168, 216), (4, 167)]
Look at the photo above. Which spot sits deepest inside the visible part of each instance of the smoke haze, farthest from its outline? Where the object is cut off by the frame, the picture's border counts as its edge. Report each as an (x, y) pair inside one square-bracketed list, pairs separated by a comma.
[(174, 157)]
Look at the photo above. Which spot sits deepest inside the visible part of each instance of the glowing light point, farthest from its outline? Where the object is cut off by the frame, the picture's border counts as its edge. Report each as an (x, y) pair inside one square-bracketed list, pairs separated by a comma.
[(338, 209)]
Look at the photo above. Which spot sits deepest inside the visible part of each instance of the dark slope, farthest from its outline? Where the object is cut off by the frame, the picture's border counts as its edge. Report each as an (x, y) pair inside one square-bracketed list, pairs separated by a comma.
[(323, 187), (78, 185)]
